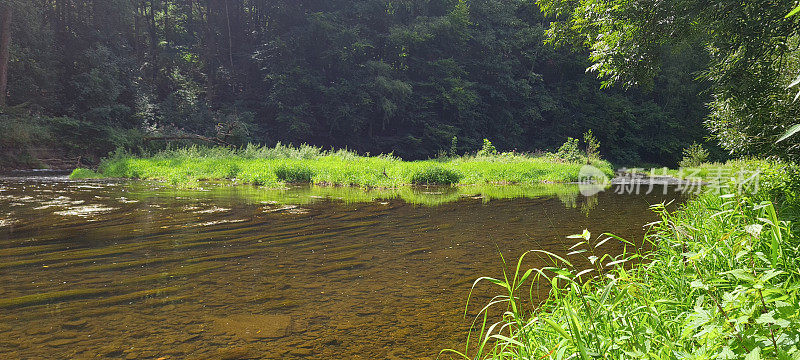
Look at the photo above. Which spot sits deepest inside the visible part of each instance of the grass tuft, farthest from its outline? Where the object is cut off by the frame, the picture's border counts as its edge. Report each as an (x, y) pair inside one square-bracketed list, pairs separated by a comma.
[(84, 174), (436, 176), (294, 174)]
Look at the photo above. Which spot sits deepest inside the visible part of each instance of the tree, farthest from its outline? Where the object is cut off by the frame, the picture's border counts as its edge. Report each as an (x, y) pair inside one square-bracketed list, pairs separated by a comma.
[(795, 128), (372, 75), (750, 45), (5, 45)]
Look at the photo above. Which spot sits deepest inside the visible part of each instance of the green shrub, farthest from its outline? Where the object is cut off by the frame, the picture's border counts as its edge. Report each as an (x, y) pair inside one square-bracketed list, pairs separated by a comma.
[(694, 155), (294, 174), (453, 147), (592, 145), (488, 149), (233, 171), (436, 176), (569, 152)]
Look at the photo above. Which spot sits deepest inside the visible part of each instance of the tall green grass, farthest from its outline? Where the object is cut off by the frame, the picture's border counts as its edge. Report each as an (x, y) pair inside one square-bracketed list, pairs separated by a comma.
[(281, 164), (721, 282)]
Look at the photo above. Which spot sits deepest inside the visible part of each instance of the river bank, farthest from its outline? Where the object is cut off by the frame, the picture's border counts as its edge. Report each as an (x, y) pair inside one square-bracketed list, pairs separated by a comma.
[(721, 280)]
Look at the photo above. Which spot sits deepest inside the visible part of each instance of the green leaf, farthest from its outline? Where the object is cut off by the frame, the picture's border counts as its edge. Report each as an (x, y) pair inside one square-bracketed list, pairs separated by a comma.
[(754, 229), (726, 354), (793, 12), (795, 82), (754, 355), (557, 328), (697, 284), (792, 130), (741, 274)]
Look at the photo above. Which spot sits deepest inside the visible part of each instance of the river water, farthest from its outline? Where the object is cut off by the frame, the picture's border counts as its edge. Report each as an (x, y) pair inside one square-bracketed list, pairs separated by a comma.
[(138, 270)]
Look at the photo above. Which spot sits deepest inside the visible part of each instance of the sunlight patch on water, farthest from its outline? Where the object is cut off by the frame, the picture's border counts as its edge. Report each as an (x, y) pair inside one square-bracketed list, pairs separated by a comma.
[(212, 210), (61, 201), (218, 222), (289, 209), (89, 186), (85, 211)]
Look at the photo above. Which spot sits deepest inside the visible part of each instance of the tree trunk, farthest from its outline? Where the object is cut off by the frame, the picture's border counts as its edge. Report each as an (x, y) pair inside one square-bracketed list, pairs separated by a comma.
[(154, 43), (210, 52), (230, 37), (5, 43)]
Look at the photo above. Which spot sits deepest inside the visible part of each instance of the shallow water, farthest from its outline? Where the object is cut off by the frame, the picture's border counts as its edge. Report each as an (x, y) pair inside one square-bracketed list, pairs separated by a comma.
[(138, 270)]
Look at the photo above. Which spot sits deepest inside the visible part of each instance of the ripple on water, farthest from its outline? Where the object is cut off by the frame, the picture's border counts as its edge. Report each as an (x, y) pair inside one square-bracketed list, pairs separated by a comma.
[(244, 278)]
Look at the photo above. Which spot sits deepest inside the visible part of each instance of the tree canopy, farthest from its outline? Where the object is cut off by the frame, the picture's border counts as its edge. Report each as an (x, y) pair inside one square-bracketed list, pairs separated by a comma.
[(751, 47), (402, 76)]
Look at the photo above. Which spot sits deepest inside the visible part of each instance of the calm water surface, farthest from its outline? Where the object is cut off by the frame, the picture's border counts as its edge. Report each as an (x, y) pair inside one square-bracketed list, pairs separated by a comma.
[(135, 270)]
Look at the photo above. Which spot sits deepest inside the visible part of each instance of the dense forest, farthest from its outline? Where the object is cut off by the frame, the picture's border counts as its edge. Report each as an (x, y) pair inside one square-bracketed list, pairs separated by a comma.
[(375, 76)]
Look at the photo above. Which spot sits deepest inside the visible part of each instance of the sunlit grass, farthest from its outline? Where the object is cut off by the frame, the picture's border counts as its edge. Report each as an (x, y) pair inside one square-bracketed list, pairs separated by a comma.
[(275, 167), (721, 282)]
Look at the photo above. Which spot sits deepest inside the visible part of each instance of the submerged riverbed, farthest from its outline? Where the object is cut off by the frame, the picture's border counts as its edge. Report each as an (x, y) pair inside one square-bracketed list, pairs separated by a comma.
[(137, 270)]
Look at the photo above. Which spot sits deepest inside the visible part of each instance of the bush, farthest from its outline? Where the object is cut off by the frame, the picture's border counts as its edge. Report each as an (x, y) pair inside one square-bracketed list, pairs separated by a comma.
[(232, 171), (453, 147), (294, 174), (436, 176), (488, 149), (694, 155), (569, 152), (592, 145)]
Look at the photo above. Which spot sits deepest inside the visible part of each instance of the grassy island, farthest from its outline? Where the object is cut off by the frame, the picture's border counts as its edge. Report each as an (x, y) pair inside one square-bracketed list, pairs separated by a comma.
[(279, 165)]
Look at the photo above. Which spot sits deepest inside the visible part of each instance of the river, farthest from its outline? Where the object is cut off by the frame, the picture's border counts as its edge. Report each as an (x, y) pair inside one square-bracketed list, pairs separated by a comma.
[(139, 270)]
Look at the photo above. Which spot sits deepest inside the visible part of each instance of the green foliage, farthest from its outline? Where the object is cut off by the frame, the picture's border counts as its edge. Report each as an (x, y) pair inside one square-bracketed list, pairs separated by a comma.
[(453, 147), (294, 174), (24, 138), (749, 50), (375, 76), (794, 83), (720, 282), (569, 151), (254, 165), (792, 130), (592, 145), (436, 176), (488, 149), (81, 173), (694, 155)]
